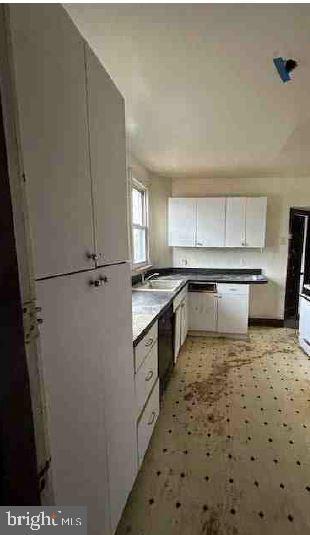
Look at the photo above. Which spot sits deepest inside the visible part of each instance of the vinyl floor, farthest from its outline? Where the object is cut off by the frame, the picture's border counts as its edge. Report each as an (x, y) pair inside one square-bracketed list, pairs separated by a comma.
[(230, 454)]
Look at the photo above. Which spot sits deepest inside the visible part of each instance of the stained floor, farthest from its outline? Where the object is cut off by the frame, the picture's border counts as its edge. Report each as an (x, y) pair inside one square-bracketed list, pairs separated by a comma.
[(230, 454)]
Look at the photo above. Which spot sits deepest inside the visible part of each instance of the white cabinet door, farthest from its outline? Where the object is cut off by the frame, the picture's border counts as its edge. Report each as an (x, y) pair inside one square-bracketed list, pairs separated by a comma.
[(147, 422), (184, 320), (255, 221), (72, 343), (233, 312), (211, 222), (116, 324), (48, 54), (108, 162), (235, 222), (88, 363), (177, 332), (202, 311), (182, 222)]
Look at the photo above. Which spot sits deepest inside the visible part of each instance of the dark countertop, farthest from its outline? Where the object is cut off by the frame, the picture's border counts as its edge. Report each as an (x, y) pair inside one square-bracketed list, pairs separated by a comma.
[(148, 305)]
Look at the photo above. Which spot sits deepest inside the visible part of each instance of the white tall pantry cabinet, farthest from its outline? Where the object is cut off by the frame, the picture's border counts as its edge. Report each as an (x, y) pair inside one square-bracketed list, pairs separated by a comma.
[(49, 66), (89, 377), (71, 123)]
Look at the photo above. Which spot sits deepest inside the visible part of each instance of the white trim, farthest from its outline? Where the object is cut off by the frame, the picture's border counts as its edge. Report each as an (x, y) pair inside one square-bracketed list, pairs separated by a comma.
[(136, 184)]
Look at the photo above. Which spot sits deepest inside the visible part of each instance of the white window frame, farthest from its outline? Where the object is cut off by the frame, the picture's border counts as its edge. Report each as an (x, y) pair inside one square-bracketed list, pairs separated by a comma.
[(135, 184)]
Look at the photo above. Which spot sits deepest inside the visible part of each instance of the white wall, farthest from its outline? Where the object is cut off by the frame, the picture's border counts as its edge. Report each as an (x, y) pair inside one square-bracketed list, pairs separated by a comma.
[(159, 192), (282, 193)]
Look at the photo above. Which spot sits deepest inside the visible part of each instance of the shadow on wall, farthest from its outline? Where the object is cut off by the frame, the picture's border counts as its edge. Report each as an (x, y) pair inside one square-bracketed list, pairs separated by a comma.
[(296, 151), (273, 225)]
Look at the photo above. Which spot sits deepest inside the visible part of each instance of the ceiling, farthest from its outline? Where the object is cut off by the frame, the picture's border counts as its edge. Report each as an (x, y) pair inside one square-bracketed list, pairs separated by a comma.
[(202, 95)]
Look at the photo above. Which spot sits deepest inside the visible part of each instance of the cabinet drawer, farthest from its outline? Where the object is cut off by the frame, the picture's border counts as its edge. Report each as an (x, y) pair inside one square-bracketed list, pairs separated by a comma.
[(179, 298), (146, 377), (147, 422), (240, 289), (143, 348)]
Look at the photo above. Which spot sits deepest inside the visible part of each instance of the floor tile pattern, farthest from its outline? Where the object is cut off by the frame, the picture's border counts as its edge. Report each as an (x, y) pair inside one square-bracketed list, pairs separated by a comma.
[(230, 454)]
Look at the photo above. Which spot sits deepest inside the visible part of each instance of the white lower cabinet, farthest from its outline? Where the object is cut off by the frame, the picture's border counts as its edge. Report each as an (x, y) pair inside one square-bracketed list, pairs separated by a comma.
[(232, 314), (147, 422), (304, 324), (146, 389), (225, 311), (202, 311), (146, 377), (180, 306), (86, 346)]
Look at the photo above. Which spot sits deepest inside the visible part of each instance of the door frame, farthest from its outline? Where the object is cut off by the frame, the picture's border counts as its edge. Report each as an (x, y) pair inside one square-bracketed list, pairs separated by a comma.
[(25, 457), (289, 320)]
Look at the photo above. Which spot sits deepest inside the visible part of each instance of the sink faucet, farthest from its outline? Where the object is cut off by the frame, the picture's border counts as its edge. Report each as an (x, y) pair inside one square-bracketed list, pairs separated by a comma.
[(144, 279)]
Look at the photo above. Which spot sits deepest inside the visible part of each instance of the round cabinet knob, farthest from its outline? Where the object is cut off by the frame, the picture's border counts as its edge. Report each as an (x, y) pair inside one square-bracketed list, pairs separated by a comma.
[(99, 282), (94, 256), (96, 283)]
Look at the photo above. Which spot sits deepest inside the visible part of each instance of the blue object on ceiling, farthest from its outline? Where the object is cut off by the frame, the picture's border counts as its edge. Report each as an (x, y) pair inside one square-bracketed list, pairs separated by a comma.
[(280, 64)]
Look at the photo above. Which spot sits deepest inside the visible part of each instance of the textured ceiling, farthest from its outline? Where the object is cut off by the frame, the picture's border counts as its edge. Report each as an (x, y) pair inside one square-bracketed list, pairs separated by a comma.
[(202, 95)]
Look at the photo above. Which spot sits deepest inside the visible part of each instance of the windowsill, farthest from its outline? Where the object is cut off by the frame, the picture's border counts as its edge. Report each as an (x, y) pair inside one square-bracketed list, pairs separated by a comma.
[(135, 270)]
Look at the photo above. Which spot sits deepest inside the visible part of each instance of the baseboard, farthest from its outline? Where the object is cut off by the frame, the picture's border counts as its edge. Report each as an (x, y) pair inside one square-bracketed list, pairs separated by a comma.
[(211, 334), (266, 322)]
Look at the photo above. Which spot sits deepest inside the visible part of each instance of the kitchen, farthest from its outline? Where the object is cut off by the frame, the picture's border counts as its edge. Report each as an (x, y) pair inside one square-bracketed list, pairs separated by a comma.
[(143, 280)]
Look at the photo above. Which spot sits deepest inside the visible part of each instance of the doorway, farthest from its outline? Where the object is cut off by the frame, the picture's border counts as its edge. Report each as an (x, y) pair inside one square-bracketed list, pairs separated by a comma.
[(296, 264), (19, 483)]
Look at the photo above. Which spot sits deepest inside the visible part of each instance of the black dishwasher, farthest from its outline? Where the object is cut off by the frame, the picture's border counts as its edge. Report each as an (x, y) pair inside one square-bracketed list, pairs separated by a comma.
[(165, 347)]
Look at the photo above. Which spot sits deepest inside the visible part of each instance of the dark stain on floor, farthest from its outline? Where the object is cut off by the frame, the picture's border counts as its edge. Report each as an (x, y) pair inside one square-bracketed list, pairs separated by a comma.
[(231, 445)]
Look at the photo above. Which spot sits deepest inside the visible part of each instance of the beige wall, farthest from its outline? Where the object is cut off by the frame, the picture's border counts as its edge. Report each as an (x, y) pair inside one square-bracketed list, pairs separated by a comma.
[(159, 192), (282, 193)]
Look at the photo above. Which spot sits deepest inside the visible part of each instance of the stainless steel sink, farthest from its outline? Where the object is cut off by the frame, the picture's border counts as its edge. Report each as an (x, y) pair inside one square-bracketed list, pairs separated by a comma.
[(159, 285)]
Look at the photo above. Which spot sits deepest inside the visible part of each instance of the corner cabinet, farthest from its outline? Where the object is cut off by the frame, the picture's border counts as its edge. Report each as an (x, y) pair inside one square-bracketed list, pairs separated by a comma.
[(217, 222)]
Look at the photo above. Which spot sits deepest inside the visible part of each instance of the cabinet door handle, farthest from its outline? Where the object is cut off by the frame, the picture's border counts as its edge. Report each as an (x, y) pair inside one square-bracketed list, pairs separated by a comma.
[(199, 244), (99, 282), (149, 375), (94, 256), (149, 342), (153, 416)]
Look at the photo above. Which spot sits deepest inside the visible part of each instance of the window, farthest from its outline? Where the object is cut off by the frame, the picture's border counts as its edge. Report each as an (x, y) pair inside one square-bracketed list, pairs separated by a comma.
[(140, 231)]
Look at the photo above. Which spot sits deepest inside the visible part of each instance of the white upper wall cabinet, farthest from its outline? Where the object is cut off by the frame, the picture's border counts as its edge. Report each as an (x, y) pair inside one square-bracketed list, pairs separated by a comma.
[(49, 63), (182, 222), (235, 222), (255, 221), (108, 162), (211, 222), (246, 221), (217, 222)]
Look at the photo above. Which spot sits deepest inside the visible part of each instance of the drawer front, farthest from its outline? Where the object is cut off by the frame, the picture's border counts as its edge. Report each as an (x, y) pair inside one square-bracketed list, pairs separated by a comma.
[(145, 345), (146, 377), (240, 289), (179, 298), (147, 422)]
